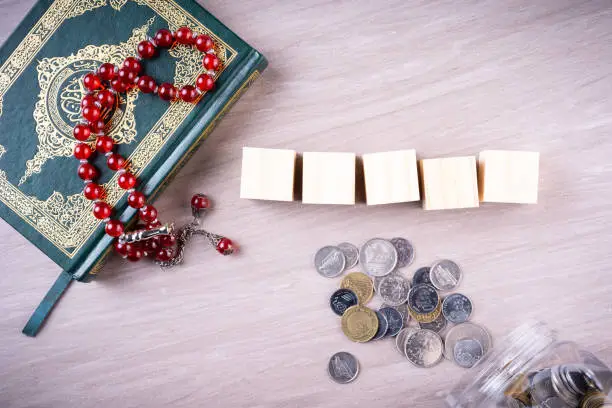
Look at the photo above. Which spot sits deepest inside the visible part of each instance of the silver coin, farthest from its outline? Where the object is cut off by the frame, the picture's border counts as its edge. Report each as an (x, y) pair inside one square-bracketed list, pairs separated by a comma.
[(423, 348), (421, 276), (423, 298), (464, 331), (383, 326), (445, 275), (378, 257), (405, 251), (394, 290), (437, 325), (330, 261), (542, 386), (403, 309), (351, 253), (400, 339), (343, 367), (395, 320), (457, 308), (467, 352)]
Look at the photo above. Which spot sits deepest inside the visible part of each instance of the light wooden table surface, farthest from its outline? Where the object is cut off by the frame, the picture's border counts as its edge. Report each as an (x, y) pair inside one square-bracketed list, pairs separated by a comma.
[(445, 77)]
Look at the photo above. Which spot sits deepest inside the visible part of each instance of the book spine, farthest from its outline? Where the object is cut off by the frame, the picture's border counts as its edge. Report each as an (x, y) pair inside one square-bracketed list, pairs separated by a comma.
[(201, 127)]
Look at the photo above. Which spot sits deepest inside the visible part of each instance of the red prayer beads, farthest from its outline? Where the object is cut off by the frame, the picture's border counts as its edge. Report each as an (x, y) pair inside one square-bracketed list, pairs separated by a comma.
[(103, 87)]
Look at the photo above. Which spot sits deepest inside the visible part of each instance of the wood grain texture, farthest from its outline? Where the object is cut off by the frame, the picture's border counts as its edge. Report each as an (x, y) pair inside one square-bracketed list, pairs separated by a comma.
[(447, 78)]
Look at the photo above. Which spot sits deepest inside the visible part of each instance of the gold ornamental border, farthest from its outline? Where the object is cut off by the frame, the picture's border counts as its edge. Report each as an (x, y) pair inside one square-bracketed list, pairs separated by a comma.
[(30, 209)]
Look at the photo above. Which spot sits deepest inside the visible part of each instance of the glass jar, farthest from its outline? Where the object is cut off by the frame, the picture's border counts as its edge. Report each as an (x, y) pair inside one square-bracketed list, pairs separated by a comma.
[(531, 368)]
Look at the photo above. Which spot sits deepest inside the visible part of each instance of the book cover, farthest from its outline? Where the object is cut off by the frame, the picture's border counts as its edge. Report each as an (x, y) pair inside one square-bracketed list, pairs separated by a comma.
[(41, 66)]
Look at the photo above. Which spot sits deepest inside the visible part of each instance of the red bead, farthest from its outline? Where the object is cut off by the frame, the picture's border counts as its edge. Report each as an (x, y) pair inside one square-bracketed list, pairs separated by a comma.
[(136, 199), (167, 91), (82, 151), (114, 228), (164, 38), (205, 83), (120, 247), (101, 210), (132, 65), (104, 144), (148, 213), (204, 43), (88, 100), (87, 171), (200, 202), (91, 113), (127, 76), (106, 98), (115, 161), (126, 180), (118, 85), (184, 35), (152, 245), (146, 84), (81, 132), (224, 246), (146, 49), (107, 71), (167, 241), (188, 93), (134, 252), (164, 255), (153, 224), (211, 61), (92, 82), (97, 126), (93, 191)]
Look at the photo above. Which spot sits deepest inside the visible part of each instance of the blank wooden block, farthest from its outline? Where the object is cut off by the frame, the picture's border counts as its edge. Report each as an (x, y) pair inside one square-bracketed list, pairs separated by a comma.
[(449, 183), (267, 174), (506, 176), (328, 178), (391, 177)]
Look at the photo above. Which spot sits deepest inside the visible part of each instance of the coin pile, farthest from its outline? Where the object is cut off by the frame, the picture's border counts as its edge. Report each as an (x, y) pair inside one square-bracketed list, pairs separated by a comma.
[(403, 301)]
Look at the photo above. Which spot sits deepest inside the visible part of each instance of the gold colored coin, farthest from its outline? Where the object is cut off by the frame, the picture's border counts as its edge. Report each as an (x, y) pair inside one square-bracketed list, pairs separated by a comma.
[(595, 399), (361, 284), (426, 317), (359, 323)]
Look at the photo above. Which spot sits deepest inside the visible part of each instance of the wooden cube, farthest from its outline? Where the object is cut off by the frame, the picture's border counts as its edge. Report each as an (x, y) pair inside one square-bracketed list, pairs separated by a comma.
[(391, 177), (449, 183), (506, 176), (267, 174), (328, 178)]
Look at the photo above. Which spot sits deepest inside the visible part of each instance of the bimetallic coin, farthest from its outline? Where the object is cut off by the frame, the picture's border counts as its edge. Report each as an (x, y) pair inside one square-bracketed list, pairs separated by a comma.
[(343, 367), (445, 275), (421, 276), (378, 257), (463, 331), (359, 323), (457, 308), (341, 300), (405, 251), (361, 284), (426, 317), (394, 290), (423, 298), (437, 325), (467, 352), (330, 261), (351, 253), (383, 326), (395, 320), (400, 339), (423, 348)]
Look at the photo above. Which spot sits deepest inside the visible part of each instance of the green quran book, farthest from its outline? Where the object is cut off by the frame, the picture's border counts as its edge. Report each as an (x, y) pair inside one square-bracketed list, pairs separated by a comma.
[(41, 68)]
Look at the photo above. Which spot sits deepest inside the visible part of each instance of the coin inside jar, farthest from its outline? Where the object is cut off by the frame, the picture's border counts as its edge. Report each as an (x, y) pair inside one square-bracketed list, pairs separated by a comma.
[(351, 253), (378, 257), (394, 289), (361, 284), (329, 261), (341, 300), (423, 298), (457, 308), (445, 275), (423, 348), (359, 323), (343, 367)]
